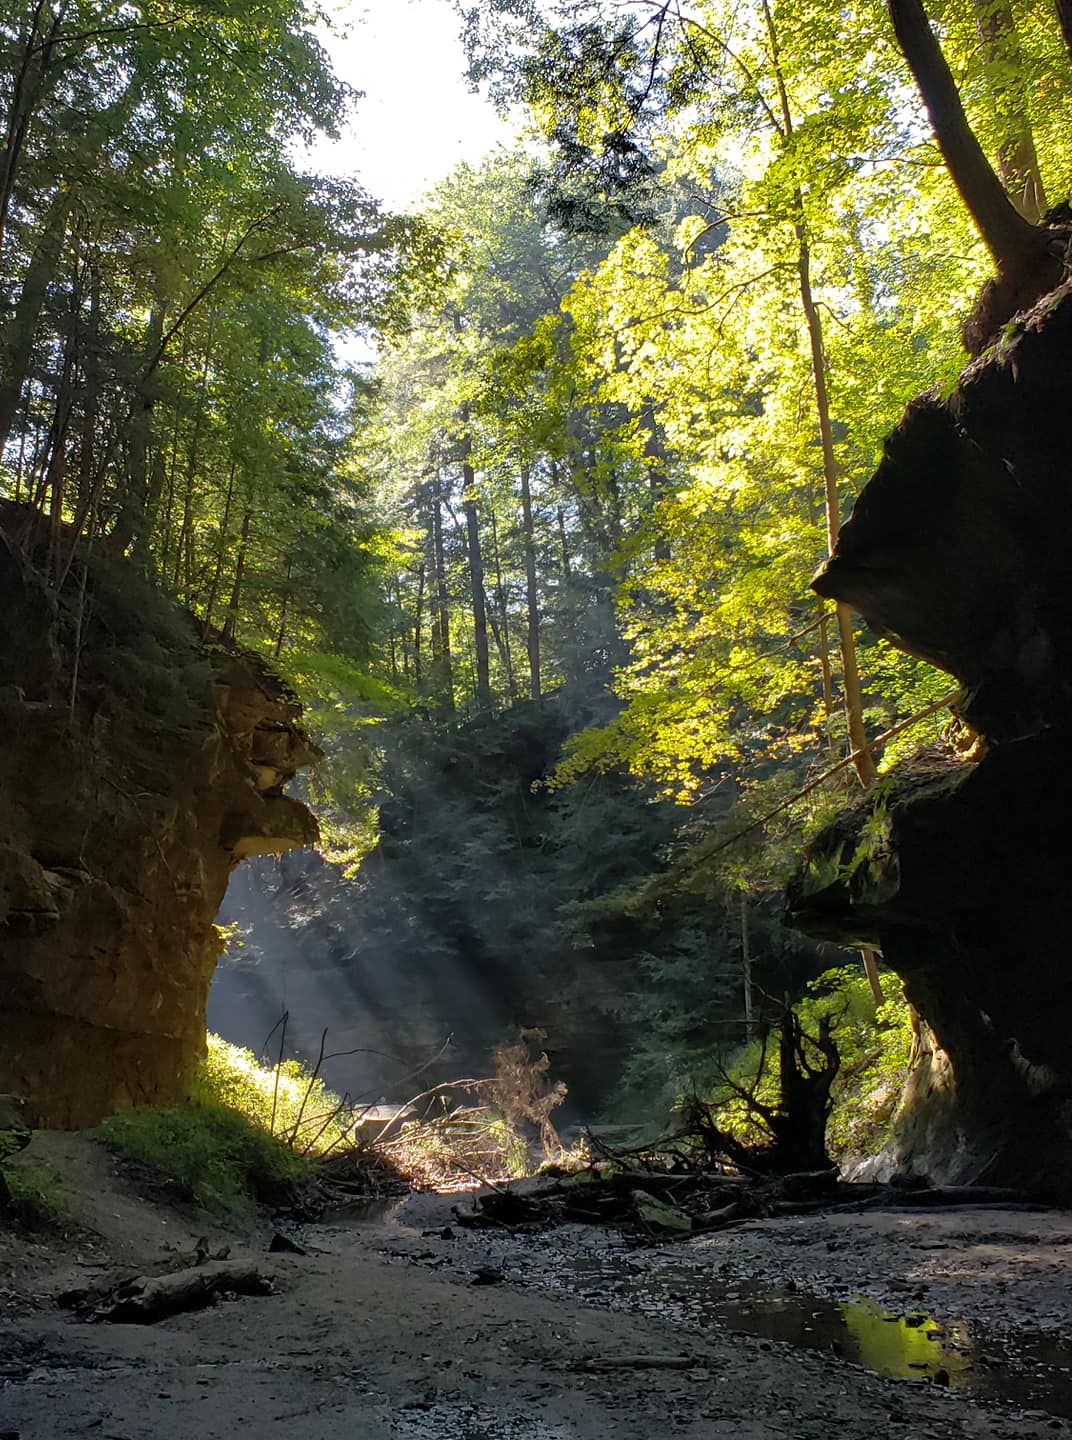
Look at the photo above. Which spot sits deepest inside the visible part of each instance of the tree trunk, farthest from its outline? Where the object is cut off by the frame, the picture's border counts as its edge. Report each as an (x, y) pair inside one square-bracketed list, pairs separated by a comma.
[(828, 680), (502, 630), (1016, 245), (532, 597), (1017, 156), (563, 543), (1064, 17), (91, 377), (444, 667), (746, 966), (221, 550), (476, 573), (192, 458), (56, 474), (864, 764), (183, 551), (502, 645), (853, 698), (804, 1103), (655, 454), (230, 625), (40, 273), (134, 498), (24, 94), (418, 621), (281, 633)]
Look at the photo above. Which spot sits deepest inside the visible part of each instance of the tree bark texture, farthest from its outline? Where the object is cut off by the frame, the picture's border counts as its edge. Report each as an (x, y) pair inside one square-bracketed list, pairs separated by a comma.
[(1015, 244)]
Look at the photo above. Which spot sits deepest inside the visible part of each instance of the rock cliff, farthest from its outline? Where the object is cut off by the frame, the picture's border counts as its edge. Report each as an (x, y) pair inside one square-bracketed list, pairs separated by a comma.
[(958, 551), (139, 766)]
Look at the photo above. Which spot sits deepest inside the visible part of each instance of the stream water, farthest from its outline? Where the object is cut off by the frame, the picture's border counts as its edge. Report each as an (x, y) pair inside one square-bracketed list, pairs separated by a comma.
[(1030, 1370)]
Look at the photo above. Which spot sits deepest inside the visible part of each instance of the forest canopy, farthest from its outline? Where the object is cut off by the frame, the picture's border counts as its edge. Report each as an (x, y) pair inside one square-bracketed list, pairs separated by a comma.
[(632, 372)]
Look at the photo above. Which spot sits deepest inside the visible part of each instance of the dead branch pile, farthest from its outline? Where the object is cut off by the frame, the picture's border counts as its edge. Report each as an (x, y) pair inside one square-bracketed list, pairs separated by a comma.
[(668, 1202), (358, 1173), (449, 1148)]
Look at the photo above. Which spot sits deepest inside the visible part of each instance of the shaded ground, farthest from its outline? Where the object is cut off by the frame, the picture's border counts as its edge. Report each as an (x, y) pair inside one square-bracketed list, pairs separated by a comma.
[(385, 1331)]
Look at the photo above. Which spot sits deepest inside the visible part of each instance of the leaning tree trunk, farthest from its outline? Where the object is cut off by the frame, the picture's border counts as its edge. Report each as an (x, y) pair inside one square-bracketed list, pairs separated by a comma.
[(1018, 248), (853, 697), (1064, 17), (864, 761)]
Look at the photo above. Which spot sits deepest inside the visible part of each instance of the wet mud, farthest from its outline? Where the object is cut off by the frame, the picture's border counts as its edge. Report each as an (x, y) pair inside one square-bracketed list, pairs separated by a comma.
[(922, 1337)]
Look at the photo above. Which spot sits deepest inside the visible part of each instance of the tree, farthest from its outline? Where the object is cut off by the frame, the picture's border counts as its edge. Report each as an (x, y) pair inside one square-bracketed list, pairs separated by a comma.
[(797, 112), (1028, 260)]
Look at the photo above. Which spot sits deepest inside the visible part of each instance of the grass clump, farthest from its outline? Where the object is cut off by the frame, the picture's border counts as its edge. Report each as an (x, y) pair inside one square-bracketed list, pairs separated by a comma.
[(286, 1101), (217, 1157), (248, 1135), (38, 1192)]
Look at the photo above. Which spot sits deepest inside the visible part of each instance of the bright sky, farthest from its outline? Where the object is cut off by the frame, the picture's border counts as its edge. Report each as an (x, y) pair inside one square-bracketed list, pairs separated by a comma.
[(418, 118)]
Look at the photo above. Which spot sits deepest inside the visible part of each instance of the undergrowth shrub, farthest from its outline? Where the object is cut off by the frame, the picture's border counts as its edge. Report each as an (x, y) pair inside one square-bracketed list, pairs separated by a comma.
[(287, 1101), (874, 1042), (252, 1130)]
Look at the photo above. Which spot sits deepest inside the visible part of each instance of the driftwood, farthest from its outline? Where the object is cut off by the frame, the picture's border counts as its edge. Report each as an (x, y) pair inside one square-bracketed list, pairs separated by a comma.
[(662, 1204), (145, 1299)]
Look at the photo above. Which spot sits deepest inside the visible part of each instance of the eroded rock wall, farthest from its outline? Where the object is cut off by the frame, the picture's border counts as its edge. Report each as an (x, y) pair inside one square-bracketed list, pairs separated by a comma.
[(958, 550), (962, 884), (138, 767)]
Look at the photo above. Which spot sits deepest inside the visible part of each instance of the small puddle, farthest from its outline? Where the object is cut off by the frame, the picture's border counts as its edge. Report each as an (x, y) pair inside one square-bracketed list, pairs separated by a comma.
[(1031, 1371), (380, 1210)]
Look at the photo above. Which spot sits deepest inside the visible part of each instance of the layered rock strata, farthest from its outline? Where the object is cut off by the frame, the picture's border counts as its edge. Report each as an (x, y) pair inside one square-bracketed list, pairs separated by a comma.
[(139, 767)]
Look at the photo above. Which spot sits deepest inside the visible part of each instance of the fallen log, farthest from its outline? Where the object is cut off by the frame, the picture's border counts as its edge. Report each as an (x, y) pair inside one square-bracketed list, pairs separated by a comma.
[(146, 1299), (727, 1215)]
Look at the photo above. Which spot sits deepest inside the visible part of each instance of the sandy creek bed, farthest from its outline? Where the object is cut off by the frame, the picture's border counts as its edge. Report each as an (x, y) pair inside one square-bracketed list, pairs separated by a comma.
[(397, 1328)]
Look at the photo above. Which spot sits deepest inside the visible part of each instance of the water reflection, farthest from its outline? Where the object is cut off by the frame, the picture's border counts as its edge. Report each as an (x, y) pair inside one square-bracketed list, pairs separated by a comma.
[(1033, 1371)]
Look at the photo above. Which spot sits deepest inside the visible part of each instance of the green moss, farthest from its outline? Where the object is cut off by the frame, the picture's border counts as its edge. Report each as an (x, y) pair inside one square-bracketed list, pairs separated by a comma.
[(218, 1157), (38, 1190)]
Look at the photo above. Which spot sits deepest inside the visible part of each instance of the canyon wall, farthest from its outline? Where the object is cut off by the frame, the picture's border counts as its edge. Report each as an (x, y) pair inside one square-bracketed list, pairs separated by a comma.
[(139, 766), (958, 551)]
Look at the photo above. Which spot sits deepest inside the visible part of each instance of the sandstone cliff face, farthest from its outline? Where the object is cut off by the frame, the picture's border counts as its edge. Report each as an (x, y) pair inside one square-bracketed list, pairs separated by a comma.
[(138, 768), (958, 550)]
